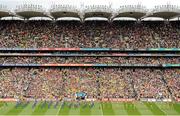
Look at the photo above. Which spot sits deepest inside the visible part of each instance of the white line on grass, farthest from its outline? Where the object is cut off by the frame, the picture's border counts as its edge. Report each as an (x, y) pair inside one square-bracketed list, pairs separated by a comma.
[(101, 108), (142, 108), (156, 103), (169, 110), (58, 110)]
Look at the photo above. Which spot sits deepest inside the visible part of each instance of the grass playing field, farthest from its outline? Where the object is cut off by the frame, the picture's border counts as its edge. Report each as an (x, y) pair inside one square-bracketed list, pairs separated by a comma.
[(103, 108)]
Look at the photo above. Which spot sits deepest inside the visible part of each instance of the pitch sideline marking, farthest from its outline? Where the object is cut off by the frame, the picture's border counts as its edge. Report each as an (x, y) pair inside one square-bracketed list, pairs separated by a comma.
[(58, 111), (101, 109), (162, 109)]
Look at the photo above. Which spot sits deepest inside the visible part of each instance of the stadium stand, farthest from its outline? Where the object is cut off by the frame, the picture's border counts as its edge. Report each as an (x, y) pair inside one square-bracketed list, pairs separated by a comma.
[(115, 60), (54, 83), (89, 35)]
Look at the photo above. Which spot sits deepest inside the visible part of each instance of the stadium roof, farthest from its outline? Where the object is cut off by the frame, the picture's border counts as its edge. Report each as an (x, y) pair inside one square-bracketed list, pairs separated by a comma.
[(164, 15), (133, 11), (30, 10), (98, 11), (4, 12), (30, 14), (60, 11), (165, 11), (88, 9)]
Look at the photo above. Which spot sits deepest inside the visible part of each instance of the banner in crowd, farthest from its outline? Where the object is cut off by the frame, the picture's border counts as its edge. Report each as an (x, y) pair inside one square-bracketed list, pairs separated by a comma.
[(89, 55), (91, 65), (178, 99), (58, 49), (8, 99), (155, 100), (95, 49), (91, 99), (171, 65), (117, 100), (163, 49), (91, 49)]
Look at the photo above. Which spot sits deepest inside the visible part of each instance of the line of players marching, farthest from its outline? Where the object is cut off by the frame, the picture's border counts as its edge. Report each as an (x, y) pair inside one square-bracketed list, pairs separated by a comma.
[(56, 104)]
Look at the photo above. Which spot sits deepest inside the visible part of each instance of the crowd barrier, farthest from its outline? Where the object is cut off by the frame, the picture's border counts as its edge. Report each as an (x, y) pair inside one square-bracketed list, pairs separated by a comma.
[(178, 99), (93, 99), (91, 65), (24, 99), (86, 55), (8, 100), (68, 99), (155, 100), (93, 49), (117, 100)]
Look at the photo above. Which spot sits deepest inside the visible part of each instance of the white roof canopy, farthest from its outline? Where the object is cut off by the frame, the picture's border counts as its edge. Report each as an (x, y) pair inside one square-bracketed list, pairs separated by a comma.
[(81, 9)]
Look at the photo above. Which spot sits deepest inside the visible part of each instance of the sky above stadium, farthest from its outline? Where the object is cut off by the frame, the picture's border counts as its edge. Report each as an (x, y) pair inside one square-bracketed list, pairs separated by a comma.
[(115, 3)]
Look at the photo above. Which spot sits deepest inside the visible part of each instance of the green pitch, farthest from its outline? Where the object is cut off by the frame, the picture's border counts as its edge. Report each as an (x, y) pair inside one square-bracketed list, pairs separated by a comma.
[(99, 108)]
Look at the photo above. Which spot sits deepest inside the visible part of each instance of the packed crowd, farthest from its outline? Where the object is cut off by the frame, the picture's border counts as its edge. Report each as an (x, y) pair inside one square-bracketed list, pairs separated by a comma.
[(58, 83), (36, 83), (173, 81), (116, 83), (37, 34), (149, 84), (89, 60)]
